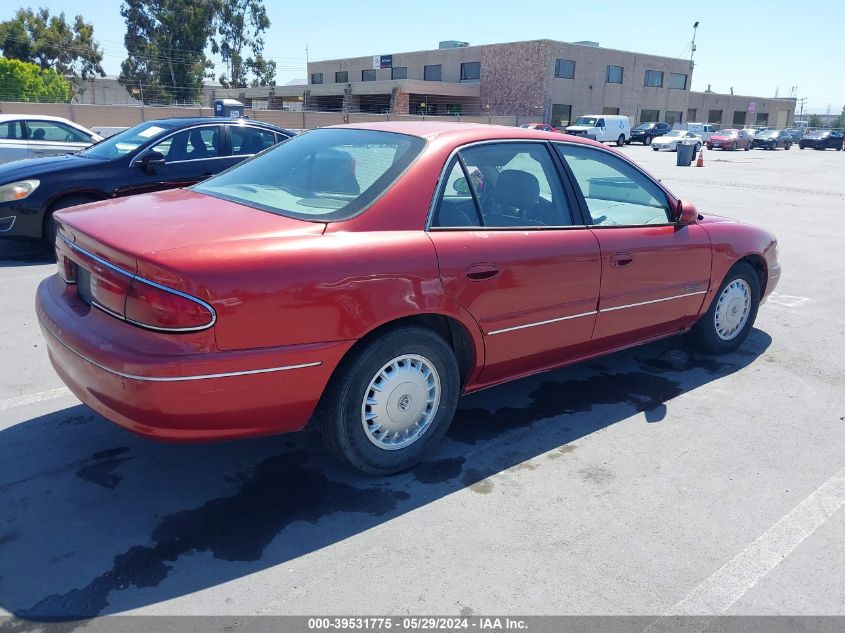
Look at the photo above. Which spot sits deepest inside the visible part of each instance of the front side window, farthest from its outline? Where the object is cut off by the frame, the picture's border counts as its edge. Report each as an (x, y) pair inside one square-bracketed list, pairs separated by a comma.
[(55, 132), (250, 140), (432, 72), (195, 144), (316, 78), (565, 68), (678, 81), (654, 78), (503, 185), (614, 74), (341, 77), (616, 193), (470, 71), (368, 75), (323, 176)]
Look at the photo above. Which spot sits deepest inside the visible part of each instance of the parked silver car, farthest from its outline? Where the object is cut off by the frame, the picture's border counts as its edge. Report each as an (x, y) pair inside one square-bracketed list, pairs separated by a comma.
[(35, 135)]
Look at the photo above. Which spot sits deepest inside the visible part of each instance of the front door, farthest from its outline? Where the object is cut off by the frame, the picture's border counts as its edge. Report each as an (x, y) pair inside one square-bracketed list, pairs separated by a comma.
[(190, 156), (655, 274), (514, 253)]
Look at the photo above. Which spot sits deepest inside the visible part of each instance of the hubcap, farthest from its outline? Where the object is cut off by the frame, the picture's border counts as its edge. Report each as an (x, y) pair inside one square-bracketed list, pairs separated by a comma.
[(732, 309), (400, 402)]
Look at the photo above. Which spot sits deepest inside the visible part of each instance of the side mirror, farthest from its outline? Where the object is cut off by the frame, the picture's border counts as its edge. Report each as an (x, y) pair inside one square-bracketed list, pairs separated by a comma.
[(151, 159), (686, 213)]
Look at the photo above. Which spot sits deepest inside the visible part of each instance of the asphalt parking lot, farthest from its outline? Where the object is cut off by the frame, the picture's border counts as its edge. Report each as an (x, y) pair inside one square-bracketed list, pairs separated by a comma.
[(652, 481)]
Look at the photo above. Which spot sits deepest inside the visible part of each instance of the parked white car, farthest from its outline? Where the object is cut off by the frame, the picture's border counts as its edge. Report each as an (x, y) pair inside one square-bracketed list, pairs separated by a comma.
[(675, 138), (605, 128), (35, 135)]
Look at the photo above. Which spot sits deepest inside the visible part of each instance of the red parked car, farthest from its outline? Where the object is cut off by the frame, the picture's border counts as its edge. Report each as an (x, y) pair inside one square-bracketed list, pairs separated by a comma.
[(358, 279), (730, 139)]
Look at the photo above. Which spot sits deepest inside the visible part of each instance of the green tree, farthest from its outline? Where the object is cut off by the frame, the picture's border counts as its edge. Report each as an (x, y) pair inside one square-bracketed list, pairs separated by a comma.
[(240, 27), (263, 71), (814, 121), (22, 81), (52, 42), (166, 42)]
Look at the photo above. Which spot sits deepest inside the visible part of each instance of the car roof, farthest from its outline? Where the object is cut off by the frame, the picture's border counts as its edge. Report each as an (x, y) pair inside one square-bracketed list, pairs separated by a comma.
[(174, 122), (39, 117), (460, 133)]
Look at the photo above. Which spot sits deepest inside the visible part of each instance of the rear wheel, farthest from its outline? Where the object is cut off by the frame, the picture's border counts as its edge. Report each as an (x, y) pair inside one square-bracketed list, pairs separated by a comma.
[(620, 141), (391, 401), (731, 315), (733, 146)]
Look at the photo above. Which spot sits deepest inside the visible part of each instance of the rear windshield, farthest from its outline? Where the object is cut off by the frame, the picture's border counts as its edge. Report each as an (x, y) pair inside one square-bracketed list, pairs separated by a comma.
[(326, 175)]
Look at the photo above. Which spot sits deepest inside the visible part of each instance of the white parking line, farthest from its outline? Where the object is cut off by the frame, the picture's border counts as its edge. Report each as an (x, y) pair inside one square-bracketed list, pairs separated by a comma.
[(41, 396), (729, 583), (788, 301)]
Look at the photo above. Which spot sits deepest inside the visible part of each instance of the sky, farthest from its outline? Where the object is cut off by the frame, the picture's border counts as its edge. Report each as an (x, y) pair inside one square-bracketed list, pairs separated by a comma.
[(758, 48)]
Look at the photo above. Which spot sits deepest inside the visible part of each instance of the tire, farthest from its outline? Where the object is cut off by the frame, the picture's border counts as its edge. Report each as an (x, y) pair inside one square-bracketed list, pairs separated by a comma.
[(655, 148), (748, 147), (697, 149), (628, 142), (800, 145), (647, 140), (740, 282), (345, 409), (620, 141), (733, 146), (787, 146), (49, 230)]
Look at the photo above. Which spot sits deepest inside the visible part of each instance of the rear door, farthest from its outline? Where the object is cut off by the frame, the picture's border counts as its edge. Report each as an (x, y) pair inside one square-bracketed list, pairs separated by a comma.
[(48, 138), (514, 252), (190, 155), (654, 273), (13, 143)]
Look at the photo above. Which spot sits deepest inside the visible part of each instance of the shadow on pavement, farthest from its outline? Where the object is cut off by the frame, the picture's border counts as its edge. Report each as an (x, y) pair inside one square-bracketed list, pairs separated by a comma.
[(24, 253), (98, 521)]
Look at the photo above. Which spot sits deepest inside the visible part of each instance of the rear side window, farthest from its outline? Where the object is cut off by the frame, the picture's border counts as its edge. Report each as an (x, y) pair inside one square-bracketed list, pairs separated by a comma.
[(249, 140), (12, 131), (616, 193), (503, 185), (325, 175)]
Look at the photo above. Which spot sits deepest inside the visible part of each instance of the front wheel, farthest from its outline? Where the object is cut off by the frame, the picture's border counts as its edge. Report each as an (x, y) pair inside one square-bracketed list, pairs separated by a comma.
[(620, 141), (731, 315), (655, 148), (733, 146), (390, 402), (800, 145), (647, 140)]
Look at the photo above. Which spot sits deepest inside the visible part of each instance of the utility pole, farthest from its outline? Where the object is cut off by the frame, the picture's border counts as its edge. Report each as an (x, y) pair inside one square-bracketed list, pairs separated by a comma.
[(801, 102), (692, 46)]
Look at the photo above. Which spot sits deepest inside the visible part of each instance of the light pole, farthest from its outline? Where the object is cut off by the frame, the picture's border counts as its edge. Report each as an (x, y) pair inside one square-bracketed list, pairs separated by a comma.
[(692, 46)]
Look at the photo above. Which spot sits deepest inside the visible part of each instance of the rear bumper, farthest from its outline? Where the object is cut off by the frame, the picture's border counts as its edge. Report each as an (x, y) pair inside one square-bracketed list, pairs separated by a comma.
[(174, 393)]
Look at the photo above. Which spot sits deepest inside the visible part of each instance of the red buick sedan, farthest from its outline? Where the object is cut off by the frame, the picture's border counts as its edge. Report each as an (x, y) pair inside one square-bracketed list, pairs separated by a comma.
[(361, 278), (730, 139)]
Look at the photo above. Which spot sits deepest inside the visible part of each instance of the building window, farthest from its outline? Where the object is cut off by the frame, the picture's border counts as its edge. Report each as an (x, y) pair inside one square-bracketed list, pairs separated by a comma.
[(715, 116), (432, 72), (399, 72), (673, 117), (692, 113), (368, 75), (561, 115), (341, 77), (739, 118), (649, 116), (762, 118), (316, 78), (614, 74), (678, 81), (654, 78), (471, 71), (453, 109), (565, 68), (610, 110)]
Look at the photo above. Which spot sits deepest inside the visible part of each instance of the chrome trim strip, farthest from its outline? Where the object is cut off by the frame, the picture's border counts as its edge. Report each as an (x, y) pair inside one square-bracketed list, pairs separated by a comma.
[(179, 293), (645, 303), (229, 374), (527, 325), (9, 217)]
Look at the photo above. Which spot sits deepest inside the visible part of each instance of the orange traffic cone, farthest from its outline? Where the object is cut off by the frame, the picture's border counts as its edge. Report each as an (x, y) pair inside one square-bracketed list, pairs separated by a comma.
[(700, 162)]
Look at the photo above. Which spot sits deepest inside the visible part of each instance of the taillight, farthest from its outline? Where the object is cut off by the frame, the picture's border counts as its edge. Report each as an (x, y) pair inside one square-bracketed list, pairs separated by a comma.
[(108, 286), (67, 269), (160, 308)]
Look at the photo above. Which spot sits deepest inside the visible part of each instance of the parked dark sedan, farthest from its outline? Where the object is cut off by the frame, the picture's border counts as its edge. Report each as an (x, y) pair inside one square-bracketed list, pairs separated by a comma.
[(772, 139), (822, 139), (645, 133), (155, 155)]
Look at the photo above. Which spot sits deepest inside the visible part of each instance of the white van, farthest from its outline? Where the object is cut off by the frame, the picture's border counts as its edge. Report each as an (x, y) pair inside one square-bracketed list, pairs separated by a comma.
[(606, 128), (704, 130)]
